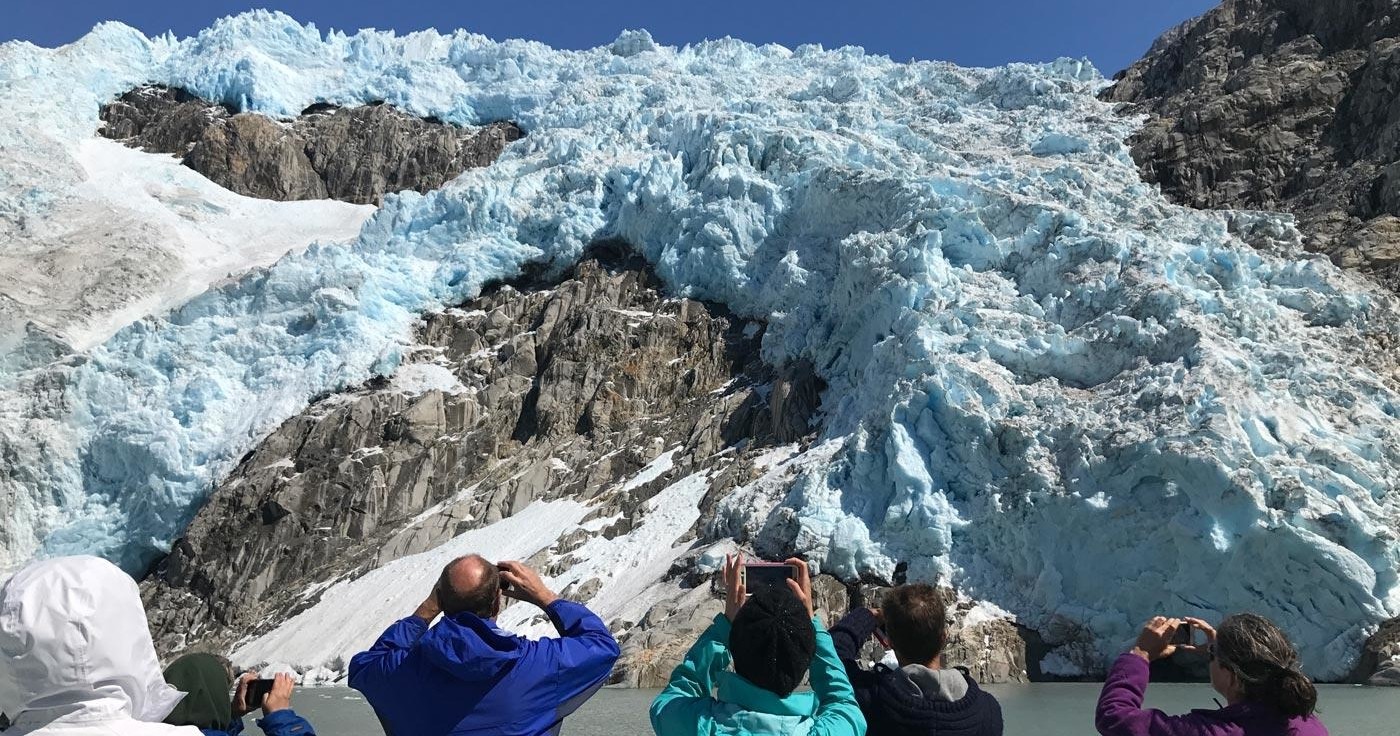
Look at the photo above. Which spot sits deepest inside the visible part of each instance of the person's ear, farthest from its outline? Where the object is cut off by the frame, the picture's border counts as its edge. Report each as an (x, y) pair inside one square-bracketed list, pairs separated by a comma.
[(1230, 680)]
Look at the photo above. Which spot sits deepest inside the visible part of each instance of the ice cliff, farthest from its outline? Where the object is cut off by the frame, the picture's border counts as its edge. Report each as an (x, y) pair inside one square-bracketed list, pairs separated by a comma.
[(1046, 384)]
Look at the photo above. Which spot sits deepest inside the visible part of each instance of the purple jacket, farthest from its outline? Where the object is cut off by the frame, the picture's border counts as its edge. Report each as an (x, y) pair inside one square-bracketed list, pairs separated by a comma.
[(1120, 712)]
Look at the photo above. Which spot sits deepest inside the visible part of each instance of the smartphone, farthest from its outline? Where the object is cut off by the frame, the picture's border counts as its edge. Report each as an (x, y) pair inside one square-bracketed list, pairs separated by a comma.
[(759, 575), (257, 690), (1183, 634)]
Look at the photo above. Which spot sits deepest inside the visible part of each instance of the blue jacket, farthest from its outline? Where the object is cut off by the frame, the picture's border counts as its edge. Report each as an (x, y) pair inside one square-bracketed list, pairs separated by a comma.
[(466, 676), (277, 723)]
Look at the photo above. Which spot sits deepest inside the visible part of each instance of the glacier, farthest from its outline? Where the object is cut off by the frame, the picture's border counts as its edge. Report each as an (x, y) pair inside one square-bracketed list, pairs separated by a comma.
[(1046, 385)]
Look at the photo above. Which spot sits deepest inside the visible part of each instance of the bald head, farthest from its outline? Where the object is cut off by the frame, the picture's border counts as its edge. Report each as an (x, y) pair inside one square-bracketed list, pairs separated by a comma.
[(469, 584)]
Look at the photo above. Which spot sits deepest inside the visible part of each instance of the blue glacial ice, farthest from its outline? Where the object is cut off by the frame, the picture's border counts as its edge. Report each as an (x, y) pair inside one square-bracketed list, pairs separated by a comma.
[(1046, 383)]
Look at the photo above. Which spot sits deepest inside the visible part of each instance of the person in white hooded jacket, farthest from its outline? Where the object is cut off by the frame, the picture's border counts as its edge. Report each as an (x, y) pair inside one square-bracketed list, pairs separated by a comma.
[(76, 657)]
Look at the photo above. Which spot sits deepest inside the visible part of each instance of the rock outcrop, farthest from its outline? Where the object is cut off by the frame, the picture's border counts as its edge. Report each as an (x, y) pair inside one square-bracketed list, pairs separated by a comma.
[(1281, 105), (1380, 657), (521, 395), (355, 154), (532, 392)]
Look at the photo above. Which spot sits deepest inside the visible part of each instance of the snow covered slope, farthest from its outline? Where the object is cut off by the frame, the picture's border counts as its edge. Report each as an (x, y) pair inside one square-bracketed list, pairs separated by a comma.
[(142, 234), (1046, 383)]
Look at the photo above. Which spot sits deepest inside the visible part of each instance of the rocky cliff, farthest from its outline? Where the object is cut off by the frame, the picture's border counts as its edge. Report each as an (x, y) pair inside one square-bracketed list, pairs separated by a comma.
[(533, 392), (1281, 105), (355, 154)]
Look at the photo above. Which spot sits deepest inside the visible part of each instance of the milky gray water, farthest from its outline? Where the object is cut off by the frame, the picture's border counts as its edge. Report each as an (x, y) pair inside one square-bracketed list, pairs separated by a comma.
[(1041, 709)]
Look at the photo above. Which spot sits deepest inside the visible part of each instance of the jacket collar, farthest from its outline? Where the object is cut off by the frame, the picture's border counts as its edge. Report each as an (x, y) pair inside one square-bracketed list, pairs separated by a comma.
[(735, 690), (1242, 712)]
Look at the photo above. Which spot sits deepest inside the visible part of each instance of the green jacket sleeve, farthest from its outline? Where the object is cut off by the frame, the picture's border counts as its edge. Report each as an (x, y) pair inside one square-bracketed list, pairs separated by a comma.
[(684, 707), (838, 714)]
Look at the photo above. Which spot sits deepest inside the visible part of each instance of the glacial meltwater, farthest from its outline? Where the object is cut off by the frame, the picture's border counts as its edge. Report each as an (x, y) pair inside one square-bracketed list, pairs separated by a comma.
[(1042, 709)]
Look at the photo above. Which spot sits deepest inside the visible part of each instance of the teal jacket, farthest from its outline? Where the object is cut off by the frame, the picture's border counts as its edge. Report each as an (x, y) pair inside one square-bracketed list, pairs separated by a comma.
[(686, 707)]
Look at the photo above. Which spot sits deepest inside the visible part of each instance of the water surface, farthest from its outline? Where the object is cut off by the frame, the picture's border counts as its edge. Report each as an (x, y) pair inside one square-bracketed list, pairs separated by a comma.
[(1040, 709)]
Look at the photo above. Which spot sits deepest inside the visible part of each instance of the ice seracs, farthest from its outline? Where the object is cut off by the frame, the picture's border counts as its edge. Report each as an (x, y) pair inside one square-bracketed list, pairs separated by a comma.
[(1046, 384)]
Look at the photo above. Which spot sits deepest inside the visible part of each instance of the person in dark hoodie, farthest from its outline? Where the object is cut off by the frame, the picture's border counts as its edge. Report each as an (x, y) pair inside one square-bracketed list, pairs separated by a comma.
[(206, 680), (921, 696), (465, 675)]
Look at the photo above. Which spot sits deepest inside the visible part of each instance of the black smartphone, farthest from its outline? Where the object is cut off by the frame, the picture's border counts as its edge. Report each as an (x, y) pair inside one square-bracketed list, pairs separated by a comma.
[(257, 690), (1183, 634), (759, 575)]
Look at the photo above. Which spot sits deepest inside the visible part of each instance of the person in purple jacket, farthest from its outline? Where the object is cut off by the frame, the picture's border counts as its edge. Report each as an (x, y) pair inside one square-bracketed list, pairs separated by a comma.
[(1252, 664)]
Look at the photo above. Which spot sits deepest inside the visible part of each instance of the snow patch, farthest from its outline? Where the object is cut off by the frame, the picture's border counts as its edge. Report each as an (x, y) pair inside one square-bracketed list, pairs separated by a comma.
[(351, 615), (418, 378)]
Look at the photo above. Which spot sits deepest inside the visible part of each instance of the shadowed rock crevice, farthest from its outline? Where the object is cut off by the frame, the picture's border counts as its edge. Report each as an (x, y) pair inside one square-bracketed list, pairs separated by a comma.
[(355, 154), (1281, 105)]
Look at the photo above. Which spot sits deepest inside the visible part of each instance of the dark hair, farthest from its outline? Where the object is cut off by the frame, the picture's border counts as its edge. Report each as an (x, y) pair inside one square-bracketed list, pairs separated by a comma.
[(1259, 653), (772, 641), (479, 600), (916, 621)]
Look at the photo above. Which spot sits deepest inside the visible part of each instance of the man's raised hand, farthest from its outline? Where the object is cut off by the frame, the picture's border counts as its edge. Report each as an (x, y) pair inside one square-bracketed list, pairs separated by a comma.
[(525, 584)]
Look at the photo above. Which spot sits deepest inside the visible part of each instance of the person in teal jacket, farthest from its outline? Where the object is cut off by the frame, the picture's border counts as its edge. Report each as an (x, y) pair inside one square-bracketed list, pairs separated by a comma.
[(771, 638)]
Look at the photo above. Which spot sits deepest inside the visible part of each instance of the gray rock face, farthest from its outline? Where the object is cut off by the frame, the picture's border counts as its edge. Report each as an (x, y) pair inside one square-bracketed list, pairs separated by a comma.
[(558, 393), (1282, 105), (1380, 657), (354, 154)]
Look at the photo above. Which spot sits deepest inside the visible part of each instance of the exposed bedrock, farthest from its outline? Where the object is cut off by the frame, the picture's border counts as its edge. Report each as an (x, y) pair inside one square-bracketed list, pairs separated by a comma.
[(531, 392), (1281, 105), (1380, 657), (355, 154)]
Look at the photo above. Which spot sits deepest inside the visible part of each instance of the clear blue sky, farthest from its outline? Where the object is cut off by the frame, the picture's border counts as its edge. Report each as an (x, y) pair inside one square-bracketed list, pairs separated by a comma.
[(970, 32)]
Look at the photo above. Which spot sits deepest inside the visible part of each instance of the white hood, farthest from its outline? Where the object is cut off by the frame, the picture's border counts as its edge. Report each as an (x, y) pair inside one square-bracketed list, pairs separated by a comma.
[(75, 644)]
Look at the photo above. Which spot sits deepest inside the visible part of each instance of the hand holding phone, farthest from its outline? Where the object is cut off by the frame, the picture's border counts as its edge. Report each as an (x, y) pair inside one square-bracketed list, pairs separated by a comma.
[(1183, 633), (257, 692)]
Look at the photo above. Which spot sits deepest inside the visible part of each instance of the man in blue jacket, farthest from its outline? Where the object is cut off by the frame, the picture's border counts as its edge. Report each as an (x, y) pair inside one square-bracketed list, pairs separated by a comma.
[(466, 676)]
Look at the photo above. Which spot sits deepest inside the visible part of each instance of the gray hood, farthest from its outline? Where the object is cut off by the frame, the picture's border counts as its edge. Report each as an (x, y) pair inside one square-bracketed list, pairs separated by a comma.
[(944, 685)]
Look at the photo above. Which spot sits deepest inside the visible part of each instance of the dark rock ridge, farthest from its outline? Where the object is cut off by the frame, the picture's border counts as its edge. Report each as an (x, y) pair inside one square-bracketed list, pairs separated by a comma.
[(1289, 105), (565, 389), (355, 154), (1380, 657)]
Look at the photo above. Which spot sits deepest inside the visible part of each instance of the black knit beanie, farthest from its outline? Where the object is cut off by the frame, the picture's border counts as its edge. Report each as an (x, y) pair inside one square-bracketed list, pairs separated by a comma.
[(772, 641)]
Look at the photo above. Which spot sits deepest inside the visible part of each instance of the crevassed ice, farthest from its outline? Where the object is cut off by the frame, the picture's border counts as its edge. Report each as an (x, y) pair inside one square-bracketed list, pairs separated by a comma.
[(1048, 385)]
